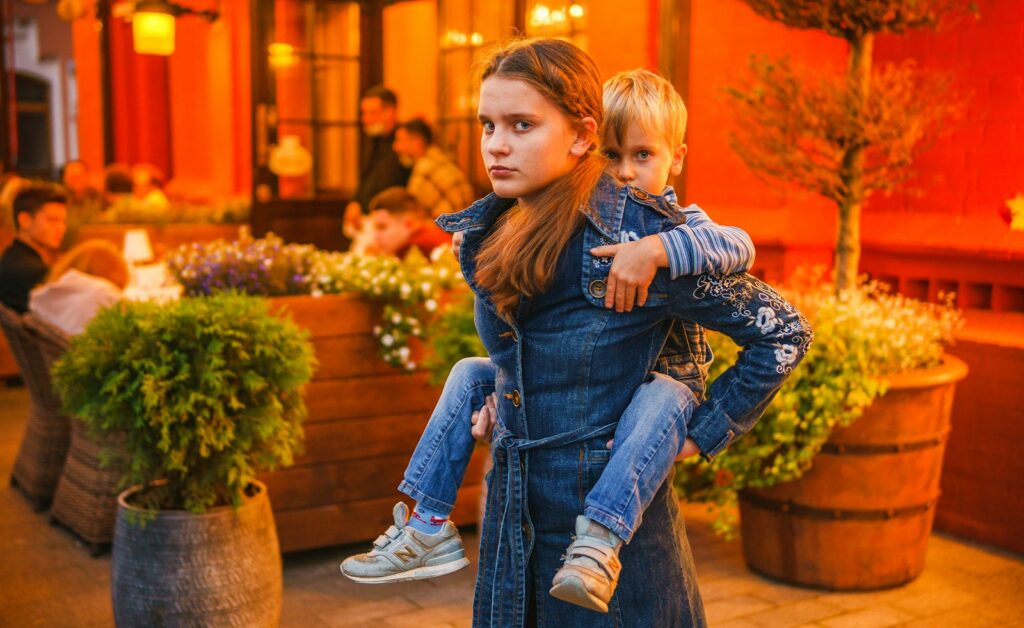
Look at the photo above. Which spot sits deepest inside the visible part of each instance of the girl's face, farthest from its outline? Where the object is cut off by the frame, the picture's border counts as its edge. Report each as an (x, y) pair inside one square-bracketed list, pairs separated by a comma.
[(527, 142)]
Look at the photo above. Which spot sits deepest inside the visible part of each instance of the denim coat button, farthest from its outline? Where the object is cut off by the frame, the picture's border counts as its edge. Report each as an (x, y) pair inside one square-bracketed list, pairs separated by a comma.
[(598, 288), (516, 398)]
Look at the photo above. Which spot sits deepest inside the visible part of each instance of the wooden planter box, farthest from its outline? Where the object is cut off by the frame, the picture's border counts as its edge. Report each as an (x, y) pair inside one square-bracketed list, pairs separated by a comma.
[(365, 418)]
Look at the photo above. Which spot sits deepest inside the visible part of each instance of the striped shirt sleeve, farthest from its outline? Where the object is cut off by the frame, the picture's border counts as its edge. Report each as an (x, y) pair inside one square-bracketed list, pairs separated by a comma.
[(702, 246)]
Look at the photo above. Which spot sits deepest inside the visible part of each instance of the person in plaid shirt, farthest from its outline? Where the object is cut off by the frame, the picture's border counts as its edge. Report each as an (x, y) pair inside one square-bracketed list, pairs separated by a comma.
[(435, 180)]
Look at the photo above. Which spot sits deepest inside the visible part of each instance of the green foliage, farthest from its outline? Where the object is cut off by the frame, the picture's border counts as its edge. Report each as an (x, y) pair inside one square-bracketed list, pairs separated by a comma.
[(797, 129), (407, 289), (844, 137), (851, 19), (453, 337), (206, 391), (860, 336)]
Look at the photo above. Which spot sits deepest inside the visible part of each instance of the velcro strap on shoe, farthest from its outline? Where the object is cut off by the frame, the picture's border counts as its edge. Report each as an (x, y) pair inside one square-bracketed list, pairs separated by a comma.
[(600, 554), (389, 535)]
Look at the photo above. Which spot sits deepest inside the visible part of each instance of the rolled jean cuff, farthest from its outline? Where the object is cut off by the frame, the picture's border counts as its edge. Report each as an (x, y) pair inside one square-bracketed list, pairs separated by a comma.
[(616, 525), (423, 498)]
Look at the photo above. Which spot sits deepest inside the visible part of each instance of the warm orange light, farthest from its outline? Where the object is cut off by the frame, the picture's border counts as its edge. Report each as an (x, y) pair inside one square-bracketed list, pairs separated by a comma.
[(282, 55), (153, 33)]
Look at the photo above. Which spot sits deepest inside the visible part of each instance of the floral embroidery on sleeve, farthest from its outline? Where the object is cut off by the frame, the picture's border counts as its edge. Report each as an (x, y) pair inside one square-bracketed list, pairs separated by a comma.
[(764, 308)]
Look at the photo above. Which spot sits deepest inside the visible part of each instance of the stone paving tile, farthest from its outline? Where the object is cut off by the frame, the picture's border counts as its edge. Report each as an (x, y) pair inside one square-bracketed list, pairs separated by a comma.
[(363, 612), (734, 606), (796, 613), (963, 617), (48, 579), (936, 601), (874, 617)]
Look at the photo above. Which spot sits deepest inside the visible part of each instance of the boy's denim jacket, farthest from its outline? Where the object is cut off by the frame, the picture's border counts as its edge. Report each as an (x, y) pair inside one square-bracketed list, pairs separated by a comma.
[(773, 334)]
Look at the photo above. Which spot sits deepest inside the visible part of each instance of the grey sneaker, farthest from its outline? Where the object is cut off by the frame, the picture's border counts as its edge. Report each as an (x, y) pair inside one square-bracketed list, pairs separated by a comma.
[(402, 554), (591, 570)]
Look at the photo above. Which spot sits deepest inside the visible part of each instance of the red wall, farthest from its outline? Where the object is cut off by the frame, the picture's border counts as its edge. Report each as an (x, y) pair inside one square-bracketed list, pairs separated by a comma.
[(967, 176), (725, 33)]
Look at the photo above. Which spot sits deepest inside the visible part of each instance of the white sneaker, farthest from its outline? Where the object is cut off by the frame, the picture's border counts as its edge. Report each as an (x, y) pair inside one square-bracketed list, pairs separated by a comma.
[(402, 554), (591, 570)]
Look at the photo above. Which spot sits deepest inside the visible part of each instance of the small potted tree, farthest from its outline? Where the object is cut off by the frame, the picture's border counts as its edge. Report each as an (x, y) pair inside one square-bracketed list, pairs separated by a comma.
[(207, 393), (861, 516)]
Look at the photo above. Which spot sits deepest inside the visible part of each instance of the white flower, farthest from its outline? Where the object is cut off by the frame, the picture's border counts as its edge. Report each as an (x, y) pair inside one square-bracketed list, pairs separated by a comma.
[(316, 293), (396, 318), (405, 290), (766, 320), (785, 354), (387, 340), (404, 353), (376, 330), (426, 287), (430, 304)]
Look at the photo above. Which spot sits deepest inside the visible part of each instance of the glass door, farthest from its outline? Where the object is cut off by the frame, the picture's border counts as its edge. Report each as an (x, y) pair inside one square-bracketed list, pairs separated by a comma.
[(311, 61)]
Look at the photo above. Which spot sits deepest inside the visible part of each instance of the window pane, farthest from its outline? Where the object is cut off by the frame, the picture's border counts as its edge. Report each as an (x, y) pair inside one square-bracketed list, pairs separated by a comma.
[(337, 159)]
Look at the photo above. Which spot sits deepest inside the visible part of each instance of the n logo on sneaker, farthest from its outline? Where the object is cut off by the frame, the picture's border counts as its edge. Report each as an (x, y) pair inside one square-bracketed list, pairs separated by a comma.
[(405, 554)]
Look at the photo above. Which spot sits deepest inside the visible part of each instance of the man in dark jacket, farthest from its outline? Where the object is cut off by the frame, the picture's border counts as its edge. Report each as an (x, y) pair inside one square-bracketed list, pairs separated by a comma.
[(380, 168), (40, 217)]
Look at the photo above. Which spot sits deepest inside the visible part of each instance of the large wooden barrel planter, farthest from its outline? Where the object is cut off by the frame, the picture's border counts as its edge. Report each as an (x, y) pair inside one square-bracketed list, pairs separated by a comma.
[(861, 517), (365, 418)]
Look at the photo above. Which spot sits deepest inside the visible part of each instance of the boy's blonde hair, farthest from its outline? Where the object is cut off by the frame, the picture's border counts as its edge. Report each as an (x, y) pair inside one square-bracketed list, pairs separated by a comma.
[(643, 97)]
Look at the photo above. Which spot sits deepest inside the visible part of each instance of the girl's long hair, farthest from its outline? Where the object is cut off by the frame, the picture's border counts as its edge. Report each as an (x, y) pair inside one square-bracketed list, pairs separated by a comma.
[(519, 257)]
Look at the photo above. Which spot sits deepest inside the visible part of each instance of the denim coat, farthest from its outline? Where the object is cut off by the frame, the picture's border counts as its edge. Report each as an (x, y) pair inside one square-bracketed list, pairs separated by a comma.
[(567, 368)]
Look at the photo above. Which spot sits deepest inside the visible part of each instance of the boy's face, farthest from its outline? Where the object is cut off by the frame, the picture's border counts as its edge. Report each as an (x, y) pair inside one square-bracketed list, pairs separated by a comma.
[(46, 228), (644, 159), (391, 232)]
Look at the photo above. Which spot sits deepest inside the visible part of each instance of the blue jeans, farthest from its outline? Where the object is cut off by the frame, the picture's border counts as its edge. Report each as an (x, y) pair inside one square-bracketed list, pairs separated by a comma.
[(649, 436)]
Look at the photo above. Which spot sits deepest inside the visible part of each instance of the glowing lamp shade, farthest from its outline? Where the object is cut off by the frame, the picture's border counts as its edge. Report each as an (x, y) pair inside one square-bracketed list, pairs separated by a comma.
[(290, 158), (153, 32), (137, 247)]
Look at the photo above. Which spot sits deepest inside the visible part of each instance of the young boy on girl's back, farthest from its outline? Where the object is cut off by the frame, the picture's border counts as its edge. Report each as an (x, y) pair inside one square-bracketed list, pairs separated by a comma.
[(643, 134)]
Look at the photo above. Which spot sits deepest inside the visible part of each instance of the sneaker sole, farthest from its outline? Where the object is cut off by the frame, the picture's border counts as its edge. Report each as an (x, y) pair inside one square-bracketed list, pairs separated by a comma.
[(420, 573), (571, 590)]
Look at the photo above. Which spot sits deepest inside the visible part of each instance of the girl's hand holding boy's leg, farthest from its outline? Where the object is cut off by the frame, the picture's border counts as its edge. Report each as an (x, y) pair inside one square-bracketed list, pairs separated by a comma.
[(483, 420)]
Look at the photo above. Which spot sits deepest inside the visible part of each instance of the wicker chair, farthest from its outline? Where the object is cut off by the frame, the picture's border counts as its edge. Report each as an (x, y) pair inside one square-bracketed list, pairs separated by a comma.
[(86, 498), (44, 445)]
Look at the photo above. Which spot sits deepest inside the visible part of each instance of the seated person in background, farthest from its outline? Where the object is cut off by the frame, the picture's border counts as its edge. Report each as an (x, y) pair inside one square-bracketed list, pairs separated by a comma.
[(399, 222), (147, 187), (87, 278), (84, 200), (76, 183), (40, 219), (435, 179), (117, 183)]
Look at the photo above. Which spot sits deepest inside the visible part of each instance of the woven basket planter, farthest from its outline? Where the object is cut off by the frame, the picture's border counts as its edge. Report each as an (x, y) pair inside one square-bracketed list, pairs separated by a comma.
[(220, 568), (85, 500), (86, 497), (44, 444)]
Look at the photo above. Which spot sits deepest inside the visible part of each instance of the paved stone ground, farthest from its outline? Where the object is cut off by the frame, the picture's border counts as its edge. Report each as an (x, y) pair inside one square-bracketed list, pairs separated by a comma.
[(47, 579)]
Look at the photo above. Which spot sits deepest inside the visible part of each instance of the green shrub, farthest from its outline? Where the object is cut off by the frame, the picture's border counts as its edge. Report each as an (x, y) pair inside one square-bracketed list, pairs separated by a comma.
[(452, 336), (207, 392), (860, 336)]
